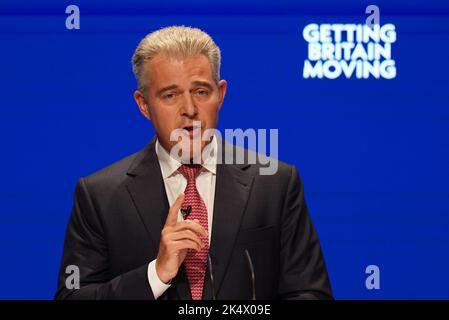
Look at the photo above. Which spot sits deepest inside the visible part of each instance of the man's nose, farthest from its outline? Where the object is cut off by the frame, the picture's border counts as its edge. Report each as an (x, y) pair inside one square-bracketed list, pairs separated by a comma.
[(189, 108)]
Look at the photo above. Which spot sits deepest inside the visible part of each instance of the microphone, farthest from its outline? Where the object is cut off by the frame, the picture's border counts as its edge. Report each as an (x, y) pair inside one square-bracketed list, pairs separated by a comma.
[(186, 212), (251, 269), (211, 277), (253, 275)]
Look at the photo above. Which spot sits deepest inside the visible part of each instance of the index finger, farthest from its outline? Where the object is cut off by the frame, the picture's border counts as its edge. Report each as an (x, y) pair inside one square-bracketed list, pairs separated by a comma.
[(172, 216)]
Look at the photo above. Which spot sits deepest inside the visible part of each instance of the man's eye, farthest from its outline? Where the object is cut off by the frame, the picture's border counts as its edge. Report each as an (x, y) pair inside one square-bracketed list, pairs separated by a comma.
[(202, 92), (169, 96)]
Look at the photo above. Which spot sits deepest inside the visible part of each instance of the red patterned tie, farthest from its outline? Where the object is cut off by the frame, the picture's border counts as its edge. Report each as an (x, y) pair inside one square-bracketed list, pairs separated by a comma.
[(195, 261)]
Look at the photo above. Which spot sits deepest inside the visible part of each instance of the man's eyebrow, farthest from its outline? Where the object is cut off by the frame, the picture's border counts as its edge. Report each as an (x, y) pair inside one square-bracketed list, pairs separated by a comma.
[(162, 90), (203, 84)]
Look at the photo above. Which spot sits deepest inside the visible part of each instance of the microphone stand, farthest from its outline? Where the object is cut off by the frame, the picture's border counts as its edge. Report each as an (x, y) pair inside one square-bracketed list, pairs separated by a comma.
[(211, 277), (253, 275)]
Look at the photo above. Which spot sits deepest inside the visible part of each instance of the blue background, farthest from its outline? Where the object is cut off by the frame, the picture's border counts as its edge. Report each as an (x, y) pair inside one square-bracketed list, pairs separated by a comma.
[(373, 154)]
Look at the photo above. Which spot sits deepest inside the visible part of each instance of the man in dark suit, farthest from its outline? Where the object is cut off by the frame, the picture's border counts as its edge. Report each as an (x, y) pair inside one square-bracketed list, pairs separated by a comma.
[(161, 224)]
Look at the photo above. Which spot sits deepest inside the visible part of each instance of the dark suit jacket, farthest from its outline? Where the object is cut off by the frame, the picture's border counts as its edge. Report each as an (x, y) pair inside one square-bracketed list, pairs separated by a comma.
[(119, 212)]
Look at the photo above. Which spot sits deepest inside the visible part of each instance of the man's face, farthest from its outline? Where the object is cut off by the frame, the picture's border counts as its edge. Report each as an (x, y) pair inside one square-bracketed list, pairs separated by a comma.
[(179, 93)]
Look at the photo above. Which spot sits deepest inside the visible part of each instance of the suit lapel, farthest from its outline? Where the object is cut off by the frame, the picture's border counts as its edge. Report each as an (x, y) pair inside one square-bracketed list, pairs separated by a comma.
[(148, 193), (233, 186)]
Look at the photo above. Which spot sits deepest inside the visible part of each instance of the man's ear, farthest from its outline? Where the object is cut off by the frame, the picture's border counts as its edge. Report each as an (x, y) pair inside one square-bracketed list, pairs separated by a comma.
[(222, 87), (142, 104)]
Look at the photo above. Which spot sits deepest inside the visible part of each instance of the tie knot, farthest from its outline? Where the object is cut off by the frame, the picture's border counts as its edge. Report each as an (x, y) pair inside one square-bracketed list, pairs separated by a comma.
[(190, 171)]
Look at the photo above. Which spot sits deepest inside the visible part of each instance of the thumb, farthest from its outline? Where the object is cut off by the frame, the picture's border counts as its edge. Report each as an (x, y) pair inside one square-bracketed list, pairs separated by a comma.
[(172, 217)]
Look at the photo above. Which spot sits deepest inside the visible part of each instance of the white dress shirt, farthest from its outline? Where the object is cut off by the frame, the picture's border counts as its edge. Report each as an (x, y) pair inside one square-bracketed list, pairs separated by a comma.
[(175, 183)]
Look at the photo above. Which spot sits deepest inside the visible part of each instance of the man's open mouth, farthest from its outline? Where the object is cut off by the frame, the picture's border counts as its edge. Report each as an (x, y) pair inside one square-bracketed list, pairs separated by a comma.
[(192, 130)]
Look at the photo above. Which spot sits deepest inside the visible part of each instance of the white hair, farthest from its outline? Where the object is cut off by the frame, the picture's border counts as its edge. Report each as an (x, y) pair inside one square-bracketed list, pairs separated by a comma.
[(176, 41)]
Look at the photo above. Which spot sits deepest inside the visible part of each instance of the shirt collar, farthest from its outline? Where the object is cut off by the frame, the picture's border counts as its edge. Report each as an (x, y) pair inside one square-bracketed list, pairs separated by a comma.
[(170, 165)]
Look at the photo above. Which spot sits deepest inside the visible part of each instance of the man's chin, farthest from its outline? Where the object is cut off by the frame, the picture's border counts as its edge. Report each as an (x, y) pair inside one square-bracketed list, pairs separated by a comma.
[(189, 148), (193, 153), (187, 151)]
